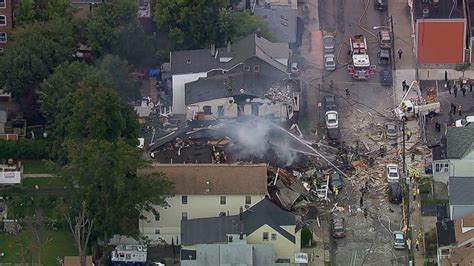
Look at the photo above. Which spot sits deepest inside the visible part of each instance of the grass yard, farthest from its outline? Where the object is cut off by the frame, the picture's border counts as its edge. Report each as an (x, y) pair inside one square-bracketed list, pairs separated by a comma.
[(60, 243), (44, 182), (36, 167)]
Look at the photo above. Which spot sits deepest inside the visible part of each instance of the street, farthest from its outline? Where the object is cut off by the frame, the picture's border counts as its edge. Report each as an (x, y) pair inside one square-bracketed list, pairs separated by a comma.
[(362, 115)]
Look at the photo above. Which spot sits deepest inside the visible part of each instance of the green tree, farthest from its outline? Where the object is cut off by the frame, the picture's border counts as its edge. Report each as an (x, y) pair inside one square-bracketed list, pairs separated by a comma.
[(103, 176), (28, 11), (141, 50), (59, 30), (192, 23), (116, 72), (235, 25), (99, 113), (28, 62)]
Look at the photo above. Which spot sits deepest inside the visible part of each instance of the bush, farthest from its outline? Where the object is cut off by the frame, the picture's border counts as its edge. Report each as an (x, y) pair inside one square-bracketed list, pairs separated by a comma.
[(306, 237), (25, 149)]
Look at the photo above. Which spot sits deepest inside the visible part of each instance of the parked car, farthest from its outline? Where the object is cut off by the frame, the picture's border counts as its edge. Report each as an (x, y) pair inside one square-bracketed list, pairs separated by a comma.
[(464, 122), (386, 78), (335, 181), (395, 193), (393, 174), (329, 62), (329, 102), (329, 43), (332, 119), (380, 5), (391, 130), (334, 136), (383, 57), (295, 68), (338, 227), (398, 240)]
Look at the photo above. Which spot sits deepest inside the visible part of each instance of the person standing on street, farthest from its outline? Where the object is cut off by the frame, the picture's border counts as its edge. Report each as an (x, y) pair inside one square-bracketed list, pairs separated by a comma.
[(348, 93), (404, 85), (417, 244), (455, 91), (463, 89), (400, 52), (460, 110)]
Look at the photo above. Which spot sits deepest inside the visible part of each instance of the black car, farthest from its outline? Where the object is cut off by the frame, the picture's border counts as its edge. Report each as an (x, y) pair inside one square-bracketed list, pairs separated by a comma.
[(395, 193), (386, 78), (335, 181), (329, 102), (338, 228), (380, 5), (334, 136)]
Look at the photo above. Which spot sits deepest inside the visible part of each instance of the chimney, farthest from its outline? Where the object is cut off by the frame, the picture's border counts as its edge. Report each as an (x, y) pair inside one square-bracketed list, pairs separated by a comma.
[(241, 213), (229, 47), (258, 33), (213, 49)]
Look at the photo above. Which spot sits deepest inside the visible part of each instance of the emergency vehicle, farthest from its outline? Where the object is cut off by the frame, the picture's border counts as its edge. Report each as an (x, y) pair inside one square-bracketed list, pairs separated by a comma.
[(360, 68)]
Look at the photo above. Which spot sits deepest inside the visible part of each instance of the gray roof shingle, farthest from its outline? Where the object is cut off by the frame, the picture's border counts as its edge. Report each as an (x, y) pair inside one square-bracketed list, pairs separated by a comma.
[(445, 233), (215, 229), (461, 190), (195, 61), (281, 21), (459, 141)]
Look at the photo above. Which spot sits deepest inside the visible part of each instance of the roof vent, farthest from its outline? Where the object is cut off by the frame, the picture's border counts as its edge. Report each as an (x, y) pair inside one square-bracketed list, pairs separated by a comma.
[(188, 61), (426, 12)]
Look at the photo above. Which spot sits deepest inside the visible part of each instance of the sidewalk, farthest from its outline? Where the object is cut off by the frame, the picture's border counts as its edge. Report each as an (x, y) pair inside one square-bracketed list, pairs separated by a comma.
[(406, 66)]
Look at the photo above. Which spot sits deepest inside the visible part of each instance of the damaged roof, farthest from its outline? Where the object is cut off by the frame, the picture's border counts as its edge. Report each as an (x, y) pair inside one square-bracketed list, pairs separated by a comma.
[(195, 61), (198, 231), (213, 179), (459, 141)]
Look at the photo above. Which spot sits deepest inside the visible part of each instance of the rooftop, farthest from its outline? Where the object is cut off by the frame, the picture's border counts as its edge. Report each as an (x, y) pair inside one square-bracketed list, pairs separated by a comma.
[(460, 190), (282, 22), (464, 229), (204, 60), (459, 141), (201, 231), (214, 179), (445, 233), (445, 9)]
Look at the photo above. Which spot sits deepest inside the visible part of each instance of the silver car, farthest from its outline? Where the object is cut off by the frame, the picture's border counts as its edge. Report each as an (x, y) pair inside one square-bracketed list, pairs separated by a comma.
[(329, 62), (329, 43), (391, 131), (398, 240)]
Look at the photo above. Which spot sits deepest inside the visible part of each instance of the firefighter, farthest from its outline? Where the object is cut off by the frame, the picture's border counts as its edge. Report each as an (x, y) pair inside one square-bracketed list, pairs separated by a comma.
[(414, 192), (409, 243), (335, 190)]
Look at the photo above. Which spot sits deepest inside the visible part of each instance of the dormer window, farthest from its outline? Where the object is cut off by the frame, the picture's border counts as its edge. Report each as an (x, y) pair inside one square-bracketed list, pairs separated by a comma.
[(256, 69), (246, 67)]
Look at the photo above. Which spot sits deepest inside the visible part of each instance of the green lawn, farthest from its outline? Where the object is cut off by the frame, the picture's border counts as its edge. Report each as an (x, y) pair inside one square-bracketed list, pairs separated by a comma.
[(44, 182), (60, 243), (36, 167)]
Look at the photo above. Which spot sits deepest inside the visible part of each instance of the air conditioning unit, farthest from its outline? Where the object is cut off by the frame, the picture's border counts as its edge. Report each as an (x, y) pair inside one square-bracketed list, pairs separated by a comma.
[(426, 12)]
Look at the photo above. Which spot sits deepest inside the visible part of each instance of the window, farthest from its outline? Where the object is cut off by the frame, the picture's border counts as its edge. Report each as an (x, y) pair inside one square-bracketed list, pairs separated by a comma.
[(437, 167), (248, 200), (157, 231), (230, 239), (223, 200), (265, 236), (3, 20), (3, 3), (206, 109), (446, 167), (274, 236), (220, 110), (184, 215), (157, 216), (3, 37), (184, 199), (246, 67), (256, 68)]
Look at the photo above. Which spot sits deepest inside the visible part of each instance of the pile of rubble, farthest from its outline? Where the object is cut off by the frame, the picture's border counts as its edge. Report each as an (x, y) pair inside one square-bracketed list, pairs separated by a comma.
[(280, 94)]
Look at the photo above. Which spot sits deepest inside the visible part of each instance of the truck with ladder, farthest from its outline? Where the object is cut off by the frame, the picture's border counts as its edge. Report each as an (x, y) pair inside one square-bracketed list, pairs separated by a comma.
[(417, 106), (360, 68)]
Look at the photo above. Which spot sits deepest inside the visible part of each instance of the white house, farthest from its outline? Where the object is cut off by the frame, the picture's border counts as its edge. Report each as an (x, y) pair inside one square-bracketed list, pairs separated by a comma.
[(203, 190), (10, 174), (252, 54), (455, 155)]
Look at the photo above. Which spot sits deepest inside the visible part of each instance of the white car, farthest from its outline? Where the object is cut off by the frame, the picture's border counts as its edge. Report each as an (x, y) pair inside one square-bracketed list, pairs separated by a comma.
[(393, 174), (398, 240), (329, 62), (332, 119), (464, 122)]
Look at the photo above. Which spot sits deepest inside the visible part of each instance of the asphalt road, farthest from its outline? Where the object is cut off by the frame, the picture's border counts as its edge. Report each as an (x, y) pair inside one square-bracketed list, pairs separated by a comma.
[(368, 240)]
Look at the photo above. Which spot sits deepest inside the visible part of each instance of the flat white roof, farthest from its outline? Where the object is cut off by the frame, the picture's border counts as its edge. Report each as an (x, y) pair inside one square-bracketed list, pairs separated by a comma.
[(361, 60)]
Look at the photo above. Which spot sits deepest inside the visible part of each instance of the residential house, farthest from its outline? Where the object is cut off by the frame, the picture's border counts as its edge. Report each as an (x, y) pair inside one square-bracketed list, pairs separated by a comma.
[(252, 4), (237, 252), (461, 196), (253, 54), (241, 94), (282, 23), (440, 26), (455, 241), (11, 173), (263, 223), (3, 121), (202, 190), (6, 23), (455, 155)]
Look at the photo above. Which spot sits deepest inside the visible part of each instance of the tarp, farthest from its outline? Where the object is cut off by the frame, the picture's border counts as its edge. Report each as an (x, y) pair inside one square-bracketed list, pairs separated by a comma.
[(153, 72)]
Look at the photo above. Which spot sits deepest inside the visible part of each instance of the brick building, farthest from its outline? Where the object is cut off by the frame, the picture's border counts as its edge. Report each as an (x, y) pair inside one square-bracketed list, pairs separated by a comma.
[(6, 21)]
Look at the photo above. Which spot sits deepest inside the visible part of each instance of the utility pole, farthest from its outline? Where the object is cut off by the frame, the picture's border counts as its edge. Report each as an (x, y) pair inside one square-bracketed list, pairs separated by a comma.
[(403, 147), (393, 43)]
